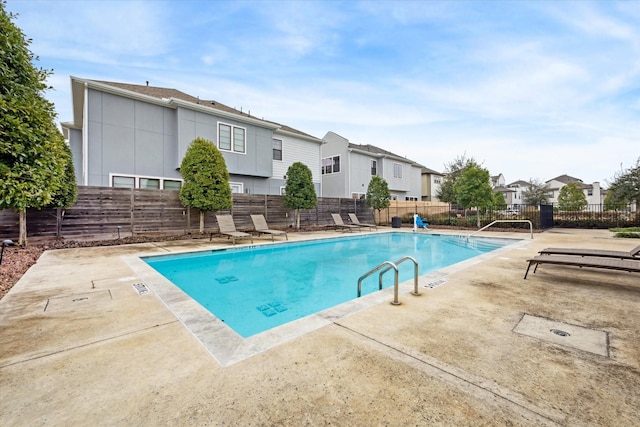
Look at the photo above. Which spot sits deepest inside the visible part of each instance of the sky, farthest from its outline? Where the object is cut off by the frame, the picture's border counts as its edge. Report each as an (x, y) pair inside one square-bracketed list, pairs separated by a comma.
[(529, 89)]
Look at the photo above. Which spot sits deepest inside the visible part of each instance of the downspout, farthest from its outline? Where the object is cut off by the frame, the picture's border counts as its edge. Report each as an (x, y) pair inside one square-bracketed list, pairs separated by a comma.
[(85, 136), (348, 171)]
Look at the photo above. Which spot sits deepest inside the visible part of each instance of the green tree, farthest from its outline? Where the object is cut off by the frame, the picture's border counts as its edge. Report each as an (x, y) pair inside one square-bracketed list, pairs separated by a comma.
[(206, 179), (299, 191), (378, 195), (537, 193), (67, 194), (473, 188), (32, 155), (499, 202), (447, 193), (572, 198), (625, 187)]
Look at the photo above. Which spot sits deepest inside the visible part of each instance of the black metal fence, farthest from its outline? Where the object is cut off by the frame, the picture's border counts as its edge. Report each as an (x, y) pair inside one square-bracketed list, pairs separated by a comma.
[(542, 217)]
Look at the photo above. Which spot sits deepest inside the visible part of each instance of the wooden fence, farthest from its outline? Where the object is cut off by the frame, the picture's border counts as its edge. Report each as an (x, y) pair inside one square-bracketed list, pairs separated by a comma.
[(126, 212)]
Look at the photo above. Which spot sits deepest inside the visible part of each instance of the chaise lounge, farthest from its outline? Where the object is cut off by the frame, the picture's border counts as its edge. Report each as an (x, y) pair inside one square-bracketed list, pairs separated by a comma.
[(339, 223), (260, 224), (228, 228), (355, 221), (633, 254), (584, 261)]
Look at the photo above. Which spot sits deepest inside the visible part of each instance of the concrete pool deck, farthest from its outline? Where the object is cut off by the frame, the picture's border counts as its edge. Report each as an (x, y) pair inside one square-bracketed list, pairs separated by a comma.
[(79, 346)]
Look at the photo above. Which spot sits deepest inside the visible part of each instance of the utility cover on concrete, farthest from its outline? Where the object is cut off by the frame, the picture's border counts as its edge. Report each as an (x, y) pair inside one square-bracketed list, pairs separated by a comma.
[(78, 301), (564, 334)]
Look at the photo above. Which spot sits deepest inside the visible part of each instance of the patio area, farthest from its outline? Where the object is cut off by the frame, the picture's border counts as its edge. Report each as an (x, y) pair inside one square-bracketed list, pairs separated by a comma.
[(81, 347)]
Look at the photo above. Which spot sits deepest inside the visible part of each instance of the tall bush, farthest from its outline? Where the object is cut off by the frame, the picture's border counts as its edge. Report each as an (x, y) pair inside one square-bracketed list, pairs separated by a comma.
[(300, 193), (206, 179)]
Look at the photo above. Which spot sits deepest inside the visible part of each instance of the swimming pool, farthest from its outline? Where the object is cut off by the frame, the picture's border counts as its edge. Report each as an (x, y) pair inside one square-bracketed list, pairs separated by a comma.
[(254, 289)]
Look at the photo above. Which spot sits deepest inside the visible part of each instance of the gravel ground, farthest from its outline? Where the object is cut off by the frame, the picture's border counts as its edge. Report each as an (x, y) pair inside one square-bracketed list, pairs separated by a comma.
[(17, 260)]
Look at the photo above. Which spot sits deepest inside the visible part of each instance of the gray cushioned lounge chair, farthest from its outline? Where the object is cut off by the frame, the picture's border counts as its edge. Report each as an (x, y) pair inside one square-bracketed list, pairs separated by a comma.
[(355, 221), (340, 223), (261, 226), (632, 254), (593, 262), (228, 228)]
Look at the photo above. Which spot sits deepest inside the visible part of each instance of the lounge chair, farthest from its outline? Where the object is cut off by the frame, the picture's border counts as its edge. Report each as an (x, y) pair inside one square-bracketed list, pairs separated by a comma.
[(420, 223), (228, 228), (339, 223), (261, 227), (632, 254), (355, 221), (593, 262)]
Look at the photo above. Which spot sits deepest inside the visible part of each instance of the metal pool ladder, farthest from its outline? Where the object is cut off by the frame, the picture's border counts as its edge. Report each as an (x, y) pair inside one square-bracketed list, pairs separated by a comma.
[(386, 266)]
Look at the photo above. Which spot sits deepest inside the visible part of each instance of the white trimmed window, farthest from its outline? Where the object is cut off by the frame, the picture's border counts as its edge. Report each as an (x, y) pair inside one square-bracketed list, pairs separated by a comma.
[(330, 165), (374, 167), (397, 170), (237, 187), (232, 138), (282, 191), (147, 182), (277, 149)]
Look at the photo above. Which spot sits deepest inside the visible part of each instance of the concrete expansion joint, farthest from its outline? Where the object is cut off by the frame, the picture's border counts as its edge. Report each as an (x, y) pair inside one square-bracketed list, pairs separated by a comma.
[(477, 387), (89, 344)]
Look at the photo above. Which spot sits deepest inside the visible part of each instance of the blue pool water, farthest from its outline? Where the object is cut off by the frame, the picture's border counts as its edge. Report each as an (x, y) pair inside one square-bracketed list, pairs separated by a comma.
[(253, 289)]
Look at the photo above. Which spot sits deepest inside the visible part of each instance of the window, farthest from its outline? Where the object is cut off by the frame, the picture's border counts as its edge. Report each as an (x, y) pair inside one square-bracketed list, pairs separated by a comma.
[(123, 182), (358, 196), (152, 183), (237, 187), (397, 170), (231, 138), (374, 167), (411, 199), (171, 184), (282, 191), (224, 137), (590, 192), (277, 149), (132, 181), (437, 180), (330, 165), (238, 140)]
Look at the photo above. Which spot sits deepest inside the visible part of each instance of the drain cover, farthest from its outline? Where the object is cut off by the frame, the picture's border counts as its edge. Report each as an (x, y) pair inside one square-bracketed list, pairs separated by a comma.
[(435, 284), (564, 334)]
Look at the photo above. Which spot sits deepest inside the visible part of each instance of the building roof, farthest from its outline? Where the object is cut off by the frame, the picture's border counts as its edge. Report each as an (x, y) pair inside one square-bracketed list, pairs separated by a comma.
[(163, 93), (565, 179), (520, 183), (381, 152), (426, 170)]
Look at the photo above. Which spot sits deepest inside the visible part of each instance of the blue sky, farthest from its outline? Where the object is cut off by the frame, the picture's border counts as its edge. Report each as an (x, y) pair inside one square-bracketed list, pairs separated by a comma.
[(530, 89)]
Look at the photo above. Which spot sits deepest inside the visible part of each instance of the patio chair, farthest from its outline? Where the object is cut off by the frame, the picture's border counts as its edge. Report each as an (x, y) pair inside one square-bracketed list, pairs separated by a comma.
[(228, 228), (260, 224), (632, 254), (420, 223), (355, 221), (593, 262), (340, 224)]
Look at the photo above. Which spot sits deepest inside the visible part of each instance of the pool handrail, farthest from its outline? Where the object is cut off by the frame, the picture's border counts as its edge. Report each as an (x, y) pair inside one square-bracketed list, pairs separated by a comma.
[(390, 265), (415, 273)]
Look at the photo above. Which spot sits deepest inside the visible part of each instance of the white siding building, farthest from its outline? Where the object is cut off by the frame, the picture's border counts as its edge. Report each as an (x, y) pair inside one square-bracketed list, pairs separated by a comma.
[(347, 168)]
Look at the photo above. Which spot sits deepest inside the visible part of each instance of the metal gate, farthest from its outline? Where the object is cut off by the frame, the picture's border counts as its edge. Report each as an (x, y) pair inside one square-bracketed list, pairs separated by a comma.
[(546, 216)]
